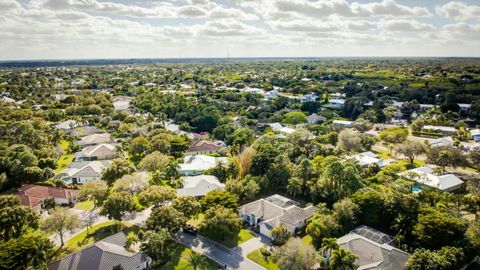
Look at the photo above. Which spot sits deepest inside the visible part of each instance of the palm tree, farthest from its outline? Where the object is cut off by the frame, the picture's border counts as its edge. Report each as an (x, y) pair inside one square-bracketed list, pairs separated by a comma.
[(342, 260), (329, 245), (195, 259), (294, 186), (171, 170)]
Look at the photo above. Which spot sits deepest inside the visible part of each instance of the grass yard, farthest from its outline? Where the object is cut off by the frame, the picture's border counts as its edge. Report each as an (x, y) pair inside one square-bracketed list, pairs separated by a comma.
[(242, 237), (65, 159), (180, 261), (257, 257), (96, 233), (85, 205)]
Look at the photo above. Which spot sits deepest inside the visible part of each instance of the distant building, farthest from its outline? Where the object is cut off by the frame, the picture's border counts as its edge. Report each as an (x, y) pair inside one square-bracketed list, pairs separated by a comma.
[(271, 94), (104, 255), (425, 176), (342, 123), (373, 249), (279, 128), (315, 118), (308, 98), (205, 147), (335, 104), (449, 131), (274, 210), (196, 164), (35, 196), (67, 125), (441, 142), (121, 103), (95, 139), (369, 158), (198, 186), (83, 171), (475, 134), (96, 152)]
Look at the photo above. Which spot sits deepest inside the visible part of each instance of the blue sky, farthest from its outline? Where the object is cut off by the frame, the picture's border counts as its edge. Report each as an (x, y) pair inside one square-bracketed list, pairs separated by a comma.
[(76, 29)]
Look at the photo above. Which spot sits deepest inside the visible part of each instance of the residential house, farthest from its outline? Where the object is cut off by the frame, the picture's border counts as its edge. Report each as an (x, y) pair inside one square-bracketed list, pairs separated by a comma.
[(464, 107), (369, 158), (122, 103), (274, 210), (448, 131), (279, 128), (271, 94), (67, 125), (444, 141), (96, 152), (343, 123), (203, 147), (106, 254), (315, 118), (83, 171), (85, 131), (308, 98), (425, 176), (475, 134), (196, 164), (373, 249), (198, 186), (335, 103), (95, 139), (35, 196)]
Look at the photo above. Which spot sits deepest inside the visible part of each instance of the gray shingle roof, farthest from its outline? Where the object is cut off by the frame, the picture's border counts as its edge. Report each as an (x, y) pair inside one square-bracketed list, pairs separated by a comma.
[(103, 255)]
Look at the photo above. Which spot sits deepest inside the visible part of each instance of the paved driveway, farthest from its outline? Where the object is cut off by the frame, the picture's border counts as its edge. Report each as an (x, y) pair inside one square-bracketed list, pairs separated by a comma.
[(235, 258)]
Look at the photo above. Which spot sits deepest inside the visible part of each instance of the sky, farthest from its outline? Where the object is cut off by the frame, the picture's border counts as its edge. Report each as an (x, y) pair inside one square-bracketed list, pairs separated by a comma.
[(91, 29)]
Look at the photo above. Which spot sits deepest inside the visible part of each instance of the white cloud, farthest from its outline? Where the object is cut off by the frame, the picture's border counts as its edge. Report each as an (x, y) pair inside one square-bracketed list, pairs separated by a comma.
[(459, 11), (9, 5), (405, 25)]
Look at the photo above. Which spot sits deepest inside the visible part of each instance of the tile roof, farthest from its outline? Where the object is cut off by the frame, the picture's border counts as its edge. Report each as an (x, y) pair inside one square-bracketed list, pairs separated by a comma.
[(199, 185), (103, 255), (95, 139), (277, 209), (372, 254), (85, 168), (91, 151), (205, 146), (32, 195)]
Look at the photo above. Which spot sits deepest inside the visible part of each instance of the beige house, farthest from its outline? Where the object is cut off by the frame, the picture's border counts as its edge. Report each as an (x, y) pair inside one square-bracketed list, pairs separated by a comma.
[(96, 152)]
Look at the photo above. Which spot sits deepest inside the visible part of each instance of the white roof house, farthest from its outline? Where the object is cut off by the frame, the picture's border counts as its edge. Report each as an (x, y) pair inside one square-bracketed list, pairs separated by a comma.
[(96, 152), (278, 127), (315, 118), (197, 186), (343, 123), (274, 210), (444, 141), (368, 158), (475, 134), (443, 129), (83, 171), (121, 103), (424, 175), (196, 164), (67, 125), (95, 139)]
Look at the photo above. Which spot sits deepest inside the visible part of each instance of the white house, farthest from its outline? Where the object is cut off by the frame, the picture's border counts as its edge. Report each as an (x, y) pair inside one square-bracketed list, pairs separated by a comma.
[(425, 176), (275, 210), (121, 103), (67, 125), (335, 103), (368, 158), (315, 118), (308, 98), (444, 141), (343, 123), (278, 127), (271, 94), (83, 171), (96, 152), (475, 134), (441, 129), (198, 186), (95, 139), (196, 164)]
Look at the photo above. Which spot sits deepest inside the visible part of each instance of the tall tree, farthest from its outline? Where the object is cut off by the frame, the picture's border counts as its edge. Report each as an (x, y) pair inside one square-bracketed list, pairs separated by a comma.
[(117, 205), (15, 219), (60, 221), (166, 217)]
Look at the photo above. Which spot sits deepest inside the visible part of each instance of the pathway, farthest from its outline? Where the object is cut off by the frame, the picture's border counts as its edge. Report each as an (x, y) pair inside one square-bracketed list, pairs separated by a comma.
[(234, 258)]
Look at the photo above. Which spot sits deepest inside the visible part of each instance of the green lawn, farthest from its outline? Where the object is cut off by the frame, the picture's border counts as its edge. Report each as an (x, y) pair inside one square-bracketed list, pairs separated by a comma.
[(96, 233), (180, 261), (65, 159), (257, 257), (242, 237), (85, 205)]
